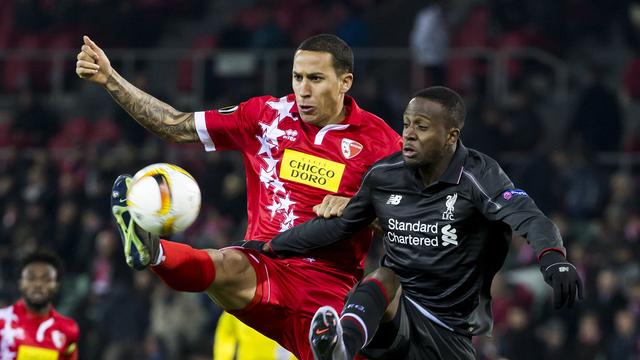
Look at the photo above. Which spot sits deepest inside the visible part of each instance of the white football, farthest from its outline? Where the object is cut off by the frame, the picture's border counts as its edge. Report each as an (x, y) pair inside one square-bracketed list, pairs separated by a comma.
[(163, 199)]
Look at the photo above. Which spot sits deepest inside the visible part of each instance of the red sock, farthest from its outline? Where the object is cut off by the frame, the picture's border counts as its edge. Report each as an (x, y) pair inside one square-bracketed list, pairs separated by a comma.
[(185, 268)]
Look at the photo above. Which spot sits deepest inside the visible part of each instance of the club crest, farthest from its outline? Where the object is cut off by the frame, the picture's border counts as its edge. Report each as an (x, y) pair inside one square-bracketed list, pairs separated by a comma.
[(350, 148)]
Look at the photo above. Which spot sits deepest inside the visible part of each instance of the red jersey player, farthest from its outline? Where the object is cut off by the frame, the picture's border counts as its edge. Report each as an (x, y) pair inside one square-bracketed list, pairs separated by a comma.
[(31, 328), (297, 149)]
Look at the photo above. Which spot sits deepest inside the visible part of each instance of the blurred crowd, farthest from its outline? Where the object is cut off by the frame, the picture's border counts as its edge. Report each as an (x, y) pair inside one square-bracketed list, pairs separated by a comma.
[(579, 160)]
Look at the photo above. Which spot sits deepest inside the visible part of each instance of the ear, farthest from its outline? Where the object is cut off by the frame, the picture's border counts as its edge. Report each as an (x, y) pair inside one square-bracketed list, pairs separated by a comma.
[(346, 80), (454, 135)]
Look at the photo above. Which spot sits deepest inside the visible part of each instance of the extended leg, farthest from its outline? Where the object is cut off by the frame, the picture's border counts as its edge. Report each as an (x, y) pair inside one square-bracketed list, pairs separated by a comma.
[(226, 275)]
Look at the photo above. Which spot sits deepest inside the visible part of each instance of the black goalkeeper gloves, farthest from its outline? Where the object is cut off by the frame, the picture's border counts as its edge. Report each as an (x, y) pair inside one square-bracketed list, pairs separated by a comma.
[(563, 278)]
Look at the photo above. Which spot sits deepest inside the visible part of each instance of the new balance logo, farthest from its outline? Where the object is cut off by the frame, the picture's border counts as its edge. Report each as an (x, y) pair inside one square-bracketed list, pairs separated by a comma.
[(394, 199)]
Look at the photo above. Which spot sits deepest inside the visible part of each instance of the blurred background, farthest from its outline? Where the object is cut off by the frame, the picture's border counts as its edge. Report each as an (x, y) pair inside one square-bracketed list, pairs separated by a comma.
[(552, 89)]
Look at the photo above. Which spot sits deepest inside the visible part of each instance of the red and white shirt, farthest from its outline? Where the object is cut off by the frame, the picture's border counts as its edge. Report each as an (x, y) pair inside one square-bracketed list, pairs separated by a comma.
[(292, 165), (26, 335)]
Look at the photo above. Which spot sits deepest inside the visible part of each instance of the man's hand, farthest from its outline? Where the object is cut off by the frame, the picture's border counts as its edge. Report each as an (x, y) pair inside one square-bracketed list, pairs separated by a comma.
[(331, 206), (93, 64), (563, 278)]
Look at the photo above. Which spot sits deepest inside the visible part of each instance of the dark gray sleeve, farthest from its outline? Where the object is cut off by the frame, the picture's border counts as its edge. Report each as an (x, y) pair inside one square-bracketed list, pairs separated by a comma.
[(497, 198), (319, 232)]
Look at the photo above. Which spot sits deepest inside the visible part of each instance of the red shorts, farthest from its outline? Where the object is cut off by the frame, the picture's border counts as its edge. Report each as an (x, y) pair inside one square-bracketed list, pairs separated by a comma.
[(288, 293)]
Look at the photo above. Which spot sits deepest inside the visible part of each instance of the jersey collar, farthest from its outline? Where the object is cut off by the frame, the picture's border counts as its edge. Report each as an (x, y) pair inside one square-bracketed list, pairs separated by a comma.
[(454, 171), (23, 307), (353, 111)]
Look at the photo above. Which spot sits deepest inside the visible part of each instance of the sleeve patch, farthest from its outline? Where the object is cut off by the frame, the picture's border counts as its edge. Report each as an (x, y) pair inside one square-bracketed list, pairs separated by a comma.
[(508, 194)]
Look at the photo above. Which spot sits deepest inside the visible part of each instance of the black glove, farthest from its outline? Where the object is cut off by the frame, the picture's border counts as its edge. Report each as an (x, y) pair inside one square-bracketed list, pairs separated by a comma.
[(257, 245), (563, 278)]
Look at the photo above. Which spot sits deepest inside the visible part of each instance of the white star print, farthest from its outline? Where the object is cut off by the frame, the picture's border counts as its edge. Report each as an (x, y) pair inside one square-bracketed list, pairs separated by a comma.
[(272, 132), (265, 145), (5, 354), (10, 334), (274, 207), (7, 315), (284, 227), (282, 106), (271, 163), (285, 202), (266, 177), (290, 219), (278, 186)]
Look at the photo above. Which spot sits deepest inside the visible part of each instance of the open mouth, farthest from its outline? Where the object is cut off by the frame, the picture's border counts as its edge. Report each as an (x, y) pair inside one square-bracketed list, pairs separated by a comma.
[(408, 152), (306, 109)]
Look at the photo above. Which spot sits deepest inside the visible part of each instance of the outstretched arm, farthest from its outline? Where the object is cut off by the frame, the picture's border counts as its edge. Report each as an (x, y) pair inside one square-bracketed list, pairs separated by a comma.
[(153, 114), (524, 217), (320, 231), (333, 205), (515, 208)]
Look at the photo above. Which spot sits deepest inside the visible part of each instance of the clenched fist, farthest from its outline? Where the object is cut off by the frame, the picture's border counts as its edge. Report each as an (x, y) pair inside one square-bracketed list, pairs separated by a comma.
[(93, 64)]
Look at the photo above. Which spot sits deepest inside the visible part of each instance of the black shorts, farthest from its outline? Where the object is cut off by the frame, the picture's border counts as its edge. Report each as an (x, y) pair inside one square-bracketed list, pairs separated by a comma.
[(412, 336)]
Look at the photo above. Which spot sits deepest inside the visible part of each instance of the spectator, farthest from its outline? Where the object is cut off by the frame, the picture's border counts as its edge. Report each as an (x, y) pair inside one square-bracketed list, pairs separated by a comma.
[(429, 41), (553, 335), (590, 339), (607, 300), (518, 341), (176, 319), (623, 343), (597, 120)]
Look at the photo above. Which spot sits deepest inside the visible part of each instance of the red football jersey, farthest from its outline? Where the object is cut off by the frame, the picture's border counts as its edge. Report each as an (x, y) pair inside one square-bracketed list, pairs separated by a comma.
[(25, 335), (292, 165)]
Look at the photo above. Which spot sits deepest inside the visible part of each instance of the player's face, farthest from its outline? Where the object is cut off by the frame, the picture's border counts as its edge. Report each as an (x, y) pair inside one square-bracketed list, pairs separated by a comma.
[(426, 133), (38, 284), (318, 88)]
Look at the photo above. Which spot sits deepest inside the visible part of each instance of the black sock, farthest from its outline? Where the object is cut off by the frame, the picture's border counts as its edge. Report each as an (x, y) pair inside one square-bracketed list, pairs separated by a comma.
[(362, 314), (386, 334)]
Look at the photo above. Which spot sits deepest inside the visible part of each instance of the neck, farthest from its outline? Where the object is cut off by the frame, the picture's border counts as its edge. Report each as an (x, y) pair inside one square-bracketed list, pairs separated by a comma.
[(37, 309), (432, 172), (336, 119), (339, 115)]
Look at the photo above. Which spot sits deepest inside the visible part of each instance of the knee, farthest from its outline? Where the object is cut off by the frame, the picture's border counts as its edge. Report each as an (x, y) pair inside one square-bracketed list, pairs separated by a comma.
[(387, 278)]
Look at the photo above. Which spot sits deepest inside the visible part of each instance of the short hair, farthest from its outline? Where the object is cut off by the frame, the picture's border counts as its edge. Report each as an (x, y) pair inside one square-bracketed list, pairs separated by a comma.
[(341, 53), (41, 256), (450, 100)]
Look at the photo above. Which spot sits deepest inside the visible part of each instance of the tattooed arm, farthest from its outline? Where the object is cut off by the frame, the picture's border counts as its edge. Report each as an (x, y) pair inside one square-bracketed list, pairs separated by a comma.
[(156, 116), (153, 114)]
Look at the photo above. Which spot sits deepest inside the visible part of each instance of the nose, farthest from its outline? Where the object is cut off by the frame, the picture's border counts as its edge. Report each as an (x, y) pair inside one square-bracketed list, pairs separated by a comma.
[(409, 133), (305, 88)]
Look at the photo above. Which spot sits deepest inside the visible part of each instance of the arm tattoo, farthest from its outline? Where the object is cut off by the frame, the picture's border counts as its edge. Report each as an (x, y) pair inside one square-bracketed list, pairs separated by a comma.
[(153, 114)]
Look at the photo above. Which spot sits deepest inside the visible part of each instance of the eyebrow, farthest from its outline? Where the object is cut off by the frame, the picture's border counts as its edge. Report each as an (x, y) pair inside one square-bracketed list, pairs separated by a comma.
[(418, 116), (311, 74)]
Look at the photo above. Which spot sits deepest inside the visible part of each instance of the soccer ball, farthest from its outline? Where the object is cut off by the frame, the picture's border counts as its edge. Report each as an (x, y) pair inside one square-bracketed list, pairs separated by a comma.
[(163, 199)]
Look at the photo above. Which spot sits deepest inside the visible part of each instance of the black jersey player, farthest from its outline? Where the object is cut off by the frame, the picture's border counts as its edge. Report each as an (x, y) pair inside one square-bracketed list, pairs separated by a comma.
[(448, 213)]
